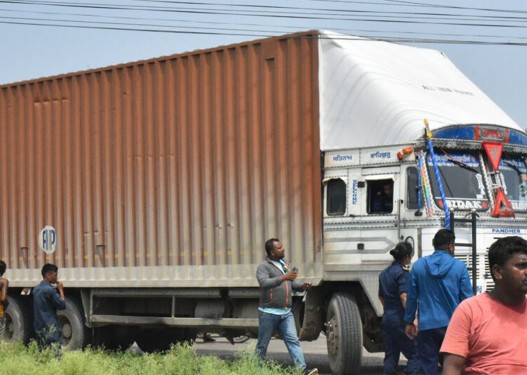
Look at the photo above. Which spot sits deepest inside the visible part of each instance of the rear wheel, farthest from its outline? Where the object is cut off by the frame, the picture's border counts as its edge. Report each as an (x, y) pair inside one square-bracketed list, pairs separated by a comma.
[(75, 335), (344, 335), (19, 321)]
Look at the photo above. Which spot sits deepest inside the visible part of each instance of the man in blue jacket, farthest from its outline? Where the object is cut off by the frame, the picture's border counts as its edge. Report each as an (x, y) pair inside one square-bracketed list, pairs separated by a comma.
[(438, 283), (48, 297)]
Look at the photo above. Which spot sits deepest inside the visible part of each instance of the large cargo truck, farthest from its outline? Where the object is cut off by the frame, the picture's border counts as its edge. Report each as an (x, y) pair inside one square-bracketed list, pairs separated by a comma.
[(153, 186)]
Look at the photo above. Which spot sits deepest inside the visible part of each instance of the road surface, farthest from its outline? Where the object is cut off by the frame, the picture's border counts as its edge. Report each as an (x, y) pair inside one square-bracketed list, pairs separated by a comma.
[(315, 353)]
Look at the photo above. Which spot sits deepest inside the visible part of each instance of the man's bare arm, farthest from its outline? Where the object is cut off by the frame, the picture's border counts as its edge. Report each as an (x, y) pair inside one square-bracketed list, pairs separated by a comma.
[(60, 288), (453, 364), (403, 296), (4, 284)]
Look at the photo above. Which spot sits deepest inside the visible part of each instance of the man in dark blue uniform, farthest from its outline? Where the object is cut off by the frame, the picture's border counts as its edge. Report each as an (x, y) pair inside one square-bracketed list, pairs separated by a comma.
[(48, 297), (393, 288)]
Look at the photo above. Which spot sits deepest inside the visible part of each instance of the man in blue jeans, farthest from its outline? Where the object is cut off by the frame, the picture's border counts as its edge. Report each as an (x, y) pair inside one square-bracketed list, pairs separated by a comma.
[(438, 283), (277, 282)]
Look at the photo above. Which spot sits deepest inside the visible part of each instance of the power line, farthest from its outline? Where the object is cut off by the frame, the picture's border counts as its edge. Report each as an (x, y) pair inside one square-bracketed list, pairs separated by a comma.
[(276, 12), (284, 27), (269, 10), (261, 34)]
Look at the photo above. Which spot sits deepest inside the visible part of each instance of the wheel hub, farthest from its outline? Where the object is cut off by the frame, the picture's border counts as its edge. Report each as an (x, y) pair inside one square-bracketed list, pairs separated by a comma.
[(332, 337), (66, 331)]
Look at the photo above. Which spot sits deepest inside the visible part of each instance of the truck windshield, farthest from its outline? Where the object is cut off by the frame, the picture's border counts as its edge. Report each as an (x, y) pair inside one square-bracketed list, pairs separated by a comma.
[(513, 174), (461, 178)]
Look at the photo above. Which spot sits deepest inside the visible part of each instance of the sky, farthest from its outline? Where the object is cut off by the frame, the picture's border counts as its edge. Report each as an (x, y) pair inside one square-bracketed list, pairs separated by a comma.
[(485, 39)]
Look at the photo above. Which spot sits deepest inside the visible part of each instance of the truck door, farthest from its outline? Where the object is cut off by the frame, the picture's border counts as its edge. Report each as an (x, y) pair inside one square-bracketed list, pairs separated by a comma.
[(380, 213), (412, 214)]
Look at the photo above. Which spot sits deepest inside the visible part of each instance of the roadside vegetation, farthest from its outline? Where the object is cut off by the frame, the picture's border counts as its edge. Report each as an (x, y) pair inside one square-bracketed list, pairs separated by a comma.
[(179, 360)]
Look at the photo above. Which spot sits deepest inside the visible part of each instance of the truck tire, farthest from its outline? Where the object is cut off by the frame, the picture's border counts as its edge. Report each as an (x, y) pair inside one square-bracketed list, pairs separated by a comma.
[(75, 334), (344, 335), (19, 321)]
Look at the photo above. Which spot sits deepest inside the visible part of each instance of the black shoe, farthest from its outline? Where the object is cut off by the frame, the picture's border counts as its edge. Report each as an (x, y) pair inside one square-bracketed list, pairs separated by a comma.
[(313, 371)]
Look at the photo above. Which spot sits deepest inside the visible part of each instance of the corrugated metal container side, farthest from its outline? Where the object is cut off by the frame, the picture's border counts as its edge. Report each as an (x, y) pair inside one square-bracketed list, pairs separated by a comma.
[(167, 172)]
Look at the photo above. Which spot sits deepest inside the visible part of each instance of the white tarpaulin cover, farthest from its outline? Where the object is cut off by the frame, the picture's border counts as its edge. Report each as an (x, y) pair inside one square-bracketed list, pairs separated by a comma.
[(375, 93)]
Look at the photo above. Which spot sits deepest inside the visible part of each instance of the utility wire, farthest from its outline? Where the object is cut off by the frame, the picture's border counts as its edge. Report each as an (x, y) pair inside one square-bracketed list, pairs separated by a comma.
[(262, 34), (277, 12), (186, 21), (254, 9)]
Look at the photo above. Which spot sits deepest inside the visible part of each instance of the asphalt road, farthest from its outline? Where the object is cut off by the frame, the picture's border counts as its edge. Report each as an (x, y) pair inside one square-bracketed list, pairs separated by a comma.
[(315, 353)]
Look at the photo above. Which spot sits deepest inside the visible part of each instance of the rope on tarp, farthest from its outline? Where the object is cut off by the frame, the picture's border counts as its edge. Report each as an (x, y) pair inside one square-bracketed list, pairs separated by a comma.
[(419, 183), (427, 190)]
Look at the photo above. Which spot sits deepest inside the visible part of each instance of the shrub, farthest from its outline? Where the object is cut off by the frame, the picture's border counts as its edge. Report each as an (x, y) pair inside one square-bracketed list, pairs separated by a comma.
[(179, 360)]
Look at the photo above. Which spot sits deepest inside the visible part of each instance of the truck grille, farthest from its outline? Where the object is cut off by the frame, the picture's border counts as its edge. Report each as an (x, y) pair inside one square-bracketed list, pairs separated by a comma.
[(482, 268)]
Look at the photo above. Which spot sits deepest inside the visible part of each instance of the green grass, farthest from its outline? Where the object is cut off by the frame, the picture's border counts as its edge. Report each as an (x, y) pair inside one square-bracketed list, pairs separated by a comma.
[(179, 360)]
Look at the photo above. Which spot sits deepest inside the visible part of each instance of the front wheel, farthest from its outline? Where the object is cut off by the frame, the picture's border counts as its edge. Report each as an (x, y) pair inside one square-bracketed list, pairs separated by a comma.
[(344, 335)]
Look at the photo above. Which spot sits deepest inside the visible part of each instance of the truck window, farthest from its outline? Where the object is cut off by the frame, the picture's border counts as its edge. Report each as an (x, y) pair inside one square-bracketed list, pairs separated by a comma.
[(513, 174), (411, 189), (336, 197), (461, 178), (380, 196)]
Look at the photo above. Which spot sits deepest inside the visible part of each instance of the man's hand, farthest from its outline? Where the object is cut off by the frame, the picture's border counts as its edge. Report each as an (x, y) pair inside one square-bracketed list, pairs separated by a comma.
[(411, 331), (291, 275), (60, 288), (307, 286)]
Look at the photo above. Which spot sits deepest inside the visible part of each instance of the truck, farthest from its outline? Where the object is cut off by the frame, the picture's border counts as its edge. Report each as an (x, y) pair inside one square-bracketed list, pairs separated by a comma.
[(153, 186)]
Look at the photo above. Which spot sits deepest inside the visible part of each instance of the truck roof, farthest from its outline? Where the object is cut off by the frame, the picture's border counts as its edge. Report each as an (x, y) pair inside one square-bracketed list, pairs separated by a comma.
[(375, 93)]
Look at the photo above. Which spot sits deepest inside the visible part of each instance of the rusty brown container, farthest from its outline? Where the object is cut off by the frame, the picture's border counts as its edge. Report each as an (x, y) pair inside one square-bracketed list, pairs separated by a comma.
[(170, 172)]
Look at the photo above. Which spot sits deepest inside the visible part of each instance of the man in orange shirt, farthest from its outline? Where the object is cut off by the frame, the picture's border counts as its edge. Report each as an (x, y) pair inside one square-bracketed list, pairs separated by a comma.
[(488, 333)]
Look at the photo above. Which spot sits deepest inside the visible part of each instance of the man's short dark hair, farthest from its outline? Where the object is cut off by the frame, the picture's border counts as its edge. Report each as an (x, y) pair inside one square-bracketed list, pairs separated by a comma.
[(269, 245), (504, 249), (3, 267), (443, 238), (47, 268)]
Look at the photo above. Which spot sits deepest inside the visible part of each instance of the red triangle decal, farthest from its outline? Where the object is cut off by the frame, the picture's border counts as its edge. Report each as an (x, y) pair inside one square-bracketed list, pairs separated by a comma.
[(493, 150), (502, 206)]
